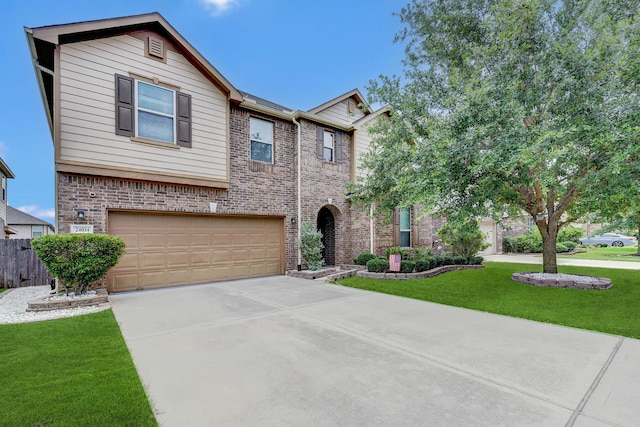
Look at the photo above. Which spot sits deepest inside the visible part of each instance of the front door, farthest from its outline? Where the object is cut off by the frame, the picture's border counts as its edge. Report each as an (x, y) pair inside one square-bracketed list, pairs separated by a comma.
[(326, 225)]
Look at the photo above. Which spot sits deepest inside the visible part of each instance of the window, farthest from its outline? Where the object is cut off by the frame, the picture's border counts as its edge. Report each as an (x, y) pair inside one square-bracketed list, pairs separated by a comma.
[(405, 227), (155, 115), (152, 112), (261, 135), (329, 145), (4, 187), (36, 230)]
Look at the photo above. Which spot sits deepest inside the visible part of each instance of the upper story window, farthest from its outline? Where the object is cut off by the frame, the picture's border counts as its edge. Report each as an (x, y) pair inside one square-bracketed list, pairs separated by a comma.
[(37, 230), (155, 112), (152, 112), (261, 135), (329, 145), (4, 187), (405, 227)]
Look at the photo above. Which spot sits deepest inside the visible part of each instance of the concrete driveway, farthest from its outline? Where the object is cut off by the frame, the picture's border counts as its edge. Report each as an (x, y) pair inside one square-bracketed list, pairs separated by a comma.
[(281, 351)]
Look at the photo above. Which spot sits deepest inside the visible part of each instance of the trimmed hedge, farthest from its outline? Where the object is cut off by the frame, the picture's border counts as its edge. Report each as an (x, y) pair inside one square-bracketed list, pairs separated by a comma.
[(363, 258), (77, 260), (407, 266), (570, 245), (381, 265), (378, 265)]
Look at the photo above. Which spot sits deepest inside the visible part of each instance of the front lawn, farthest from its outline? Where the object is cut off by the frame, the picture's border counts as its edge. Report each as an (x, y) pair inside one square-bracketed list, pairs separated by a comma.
[(609, 253), (491, 289), (70, 372)]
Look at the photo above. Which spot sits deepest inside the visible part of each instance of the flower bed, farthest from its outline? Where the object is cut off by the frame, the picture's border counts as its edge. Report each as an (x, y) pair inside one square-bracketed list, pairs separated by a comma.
[(421, 275)]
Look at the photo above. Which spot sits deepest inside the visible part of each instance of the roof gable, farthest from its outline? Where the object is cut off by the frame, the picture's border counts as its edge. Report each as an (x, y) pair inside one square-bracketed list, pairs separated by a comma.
[(355, 93), (16, 217), (43, 38)]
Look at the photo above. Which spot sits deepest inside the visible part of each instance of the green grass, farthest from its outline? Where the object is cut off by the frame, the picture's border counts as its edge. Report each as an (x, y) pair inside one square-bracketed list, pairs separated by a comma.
[(614, 311), (70, 372), (607, 254)]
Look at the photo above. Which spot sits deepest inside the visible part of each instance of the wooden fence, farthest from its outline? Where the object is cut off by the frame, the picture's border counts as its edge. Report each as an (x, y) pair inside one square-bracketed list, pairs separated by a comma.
[(20, 266)]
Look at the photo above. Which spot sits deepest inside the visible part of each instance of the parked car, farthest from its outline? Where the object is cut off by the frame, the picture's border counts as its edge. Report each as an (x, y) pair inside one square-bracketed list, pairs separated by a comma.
[(610, 239)]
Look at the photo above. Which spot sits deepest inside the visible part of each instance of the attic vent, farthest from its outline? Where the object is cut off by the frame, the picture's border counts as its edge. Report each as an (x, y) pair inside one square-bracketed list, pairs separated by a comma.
[(351, 106), (156, 47)]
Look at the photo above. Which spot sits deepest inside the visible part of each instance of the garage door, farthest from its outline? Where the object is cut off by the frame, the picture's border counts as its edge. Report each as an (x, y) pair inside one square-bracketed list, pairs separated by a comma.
[(169, 250)]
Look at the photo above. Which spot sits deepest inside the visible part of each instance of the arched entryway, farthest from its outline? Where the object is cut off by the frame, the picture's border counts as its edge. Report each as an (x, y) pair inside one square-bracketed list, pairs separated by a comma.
[(327, 226)]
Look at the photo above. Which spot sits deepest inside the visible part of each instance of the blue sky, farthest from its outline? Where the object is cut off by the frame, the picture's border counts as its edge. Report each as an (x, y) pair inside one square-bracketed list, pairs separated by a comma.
[(296, 53)]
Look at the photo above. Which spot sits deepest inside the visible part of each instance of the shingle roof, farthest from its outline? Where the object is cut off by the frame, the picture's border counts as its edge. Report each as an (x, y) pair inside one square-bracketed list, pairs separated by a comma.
[(16, 217), (265, 103)]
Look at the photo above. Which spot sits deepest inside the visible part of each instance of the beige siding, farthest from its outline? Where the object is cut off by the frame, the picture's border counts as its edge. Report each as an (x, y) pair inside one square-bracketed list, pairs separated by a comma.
[(339, 113), (361, 146), (87, 121)]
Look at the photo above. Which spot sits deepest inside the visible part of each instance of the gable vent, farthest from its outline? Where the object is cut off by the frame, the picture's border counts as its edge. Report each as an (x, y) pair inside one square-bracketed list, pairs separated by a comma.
[(156, 47)]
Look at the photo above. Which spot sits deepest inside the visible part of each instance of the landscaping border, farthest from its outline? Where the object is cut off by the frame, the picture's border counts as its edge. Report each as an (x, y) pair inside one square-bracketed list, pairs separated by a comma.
[(46, 304), (589, 282), (421, 275)]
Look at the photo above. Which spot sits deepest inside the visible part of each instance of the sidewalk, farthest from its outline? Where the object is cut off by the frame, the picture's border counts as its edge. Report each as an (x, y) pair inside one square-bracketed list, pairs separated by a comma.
[(537, 259)]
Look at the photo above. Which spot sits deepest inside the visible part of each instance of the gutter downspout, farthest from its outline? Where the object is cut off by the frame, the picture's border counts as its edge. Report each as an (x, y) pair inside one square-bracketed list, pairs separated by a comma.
[(293, 118)]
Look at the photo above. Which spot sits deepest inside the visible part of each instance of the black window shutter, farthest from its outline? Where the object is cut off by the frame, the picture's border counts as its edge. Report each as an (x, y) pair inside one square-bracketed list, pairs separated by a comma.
[(338, 147), (124, 106), (184, 119), (320, 142)]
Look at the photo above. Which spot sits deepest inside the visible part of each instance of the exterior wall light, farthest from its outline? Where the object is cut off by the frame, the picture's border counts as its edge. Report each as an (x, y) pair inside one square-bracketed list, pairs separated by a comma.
[(80, 214)]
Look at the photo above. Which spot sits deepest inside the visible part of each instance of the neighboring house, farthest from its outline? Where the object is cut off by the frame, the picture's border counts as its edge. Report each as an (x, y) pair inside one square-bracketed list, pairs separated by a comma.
[(204, 182), (5, 174), (27, 226)]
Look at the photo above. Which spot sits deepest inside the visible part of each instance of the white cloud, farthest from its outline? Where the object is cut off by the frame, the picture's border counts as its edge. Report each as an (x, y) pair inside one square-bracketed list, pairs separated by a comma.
[(218, 7), (38, 212)]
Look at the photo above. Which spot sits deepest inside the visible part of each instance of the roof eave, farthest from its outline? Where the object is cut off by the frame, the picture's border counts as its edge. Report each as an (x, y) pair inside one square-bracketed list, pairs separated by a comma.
[(53, 34), (6, 170)]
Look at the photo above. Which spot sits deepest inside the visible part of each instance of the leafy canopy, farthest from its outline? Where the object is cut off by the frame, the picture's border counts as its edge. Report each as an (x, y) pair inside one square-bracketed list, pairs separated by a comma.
[(509, 106)]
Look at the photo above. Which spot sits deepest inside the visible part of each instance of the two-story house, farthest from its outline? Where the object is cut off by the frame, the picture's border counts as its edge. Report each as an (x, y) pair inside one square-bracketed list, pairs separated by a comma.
[(203, 181), (5, 174)]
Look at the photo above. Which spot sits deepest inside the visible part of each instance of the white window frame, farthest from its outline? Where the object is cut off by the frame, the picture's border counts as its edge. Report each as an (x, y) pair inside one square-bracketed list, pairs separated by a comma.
[(33, 231), (331, 146), (173, 117), (4, 187), (260, 140), (404, 230)]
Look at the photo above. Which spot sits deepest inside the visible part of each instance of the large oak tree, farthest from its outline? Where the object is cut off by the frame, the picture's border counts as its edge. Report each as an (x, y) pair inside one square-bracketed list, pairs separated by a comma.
[(509, 106)]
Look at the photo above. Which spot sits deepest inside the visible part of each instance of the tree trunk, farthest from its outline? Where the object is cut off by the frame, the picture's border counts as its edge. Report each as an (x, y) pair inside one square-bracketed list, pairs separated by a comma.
[(549, 232)]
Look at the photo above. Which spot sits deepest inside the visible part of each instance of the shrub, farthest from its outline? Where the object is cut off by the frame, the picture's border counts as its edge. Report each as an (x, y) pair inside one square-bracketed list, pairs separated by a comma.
[(363, 258), (438, 261), (377, 265), (561, 248), (425, 264), (407, 254), (463, 237), (570, 245), (524, 243), (407, 266), (476, 260), (459, 260), (420, 253), (570, 234), (311, 246), (78, 260)]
